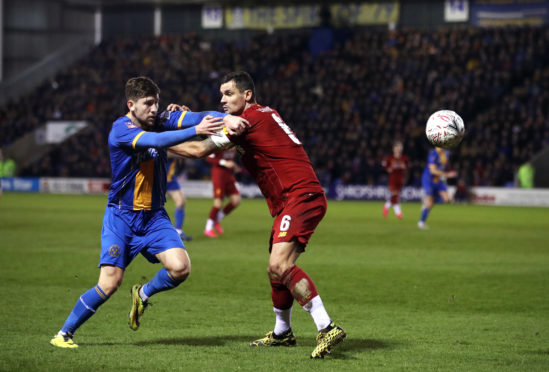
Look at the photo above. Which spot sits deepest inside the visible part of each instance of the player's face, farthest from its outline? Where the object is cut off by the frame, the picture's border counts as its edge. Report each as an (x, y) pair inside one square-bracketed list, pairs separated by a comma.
[(233, 100), (144, 110), (397, 150)]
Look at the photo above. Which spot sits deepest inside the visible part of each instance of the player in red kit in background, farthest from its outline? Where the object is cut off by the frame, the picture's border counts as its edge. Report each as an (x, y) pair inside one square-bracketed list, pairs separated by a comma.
[(397, 166), (275, 157), (224, 184)]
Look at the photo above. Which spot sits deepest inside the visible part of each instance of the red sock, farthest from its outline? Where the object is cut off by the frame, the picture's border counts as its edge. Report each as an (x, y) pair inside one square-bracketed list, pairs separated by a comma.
[(213, 213), (394, 199), (228, 208), (298, 282), (282, 297)]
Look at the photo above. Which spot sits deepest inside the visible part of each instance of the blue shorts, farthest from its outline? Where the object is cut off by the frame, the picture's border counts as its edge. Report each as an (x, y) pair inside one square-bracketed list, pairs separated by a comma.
[(433, 189), (127, 233), (173, 185)]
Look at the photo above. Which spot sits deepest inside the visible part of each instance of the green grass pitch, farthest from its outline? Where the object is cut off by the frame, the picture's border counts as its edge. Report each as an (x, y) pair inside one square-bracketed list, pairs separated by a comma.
[(470, 294)]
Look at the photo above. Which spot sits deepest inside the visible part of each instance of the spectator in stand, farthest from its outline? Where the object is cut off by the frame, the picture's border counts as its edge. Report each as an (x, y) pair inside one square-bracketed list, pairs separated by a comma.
[(462, 193), (526, 176), (7, 166), (371, 83)]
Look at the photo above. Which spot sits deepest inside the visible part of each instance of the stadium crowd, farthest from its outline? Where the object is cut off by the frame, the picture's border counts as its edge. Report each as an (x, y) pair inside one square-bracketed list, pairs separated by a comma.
[(347, 104)]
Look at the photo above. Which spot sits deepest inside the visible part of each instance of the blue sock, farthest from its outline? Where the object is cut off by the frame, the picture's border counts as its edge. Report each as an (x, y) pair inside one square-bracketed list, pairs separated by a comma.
[(179, 218), (85, 307), (424, 214), (162, 281)]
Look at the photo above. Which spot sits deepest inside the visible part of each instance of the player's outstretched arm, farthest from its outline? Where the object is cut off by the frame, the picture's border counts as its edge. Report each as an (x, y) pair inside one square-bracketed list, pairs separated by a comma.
[(232, 165), (173, 120), (451, 174), (197, 149), (146, 139), (179, 117), (208, 126), (435, 171), (439, 172)]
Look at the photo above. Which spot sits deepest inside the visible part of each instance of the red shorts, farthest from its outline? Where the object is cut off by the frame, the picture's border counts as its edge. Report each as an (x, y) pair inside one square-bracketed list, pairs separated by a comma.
[(299, 219), (224, 184), (395, 185)]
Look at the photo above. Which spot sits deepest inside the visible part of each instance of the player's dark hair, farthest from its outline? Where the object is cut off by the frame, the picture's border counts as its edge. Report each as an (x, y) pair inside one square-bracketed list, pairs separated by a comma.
[(242, 80), (139, 87)]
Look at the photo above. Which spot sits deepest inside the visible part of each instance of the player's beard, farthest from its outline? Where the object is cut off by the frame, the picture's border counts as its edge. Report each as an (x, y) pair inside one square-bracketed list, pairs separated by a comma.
[(145, 123)]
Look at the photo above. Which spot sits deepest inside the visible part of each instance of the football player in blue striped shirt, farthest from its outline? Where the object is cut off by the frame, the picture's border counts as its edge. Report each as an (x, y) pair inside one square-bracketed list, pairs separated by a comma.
[(433, 181), (135, 220)]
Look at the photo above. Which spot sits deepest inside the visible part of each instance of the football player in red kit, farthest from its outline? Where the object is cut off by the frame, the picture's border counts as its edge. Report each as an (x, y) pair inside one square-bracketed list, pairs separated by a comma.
[(275, 157), (397, 166), (224, 184)]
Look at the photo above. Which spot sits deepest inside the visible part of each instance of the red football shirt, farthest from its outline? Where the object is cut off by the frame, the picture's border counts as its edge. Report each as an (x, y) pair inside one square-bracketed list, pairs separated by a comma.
[(214, 160), (274, 156), (223, 180), (396, 167)]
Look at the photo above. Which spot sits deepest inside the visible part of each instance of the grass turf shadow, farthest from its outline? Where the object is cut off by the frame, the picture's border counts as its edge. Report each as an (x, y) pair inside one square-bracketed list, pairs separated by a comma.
[(361, 345), (350, 345), (196, 341)]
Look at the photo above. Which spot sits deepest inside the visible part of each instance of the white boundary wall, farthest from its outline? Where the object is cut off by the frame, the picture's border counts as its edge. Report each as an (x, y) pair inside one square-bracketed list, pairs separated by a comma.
[(203, 189), (510, 196)]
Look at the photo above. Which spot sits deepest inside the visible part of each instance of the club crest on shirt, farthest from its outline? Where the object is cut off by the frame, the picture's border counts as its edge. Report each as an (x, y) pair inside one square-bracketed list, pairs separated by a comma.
[(114, 250)]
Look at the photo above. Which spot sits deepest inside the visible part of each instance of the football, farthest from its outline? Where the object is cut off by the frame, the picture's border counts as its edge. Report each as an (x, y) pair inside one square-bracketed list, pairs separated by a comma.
[(445, 129)]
